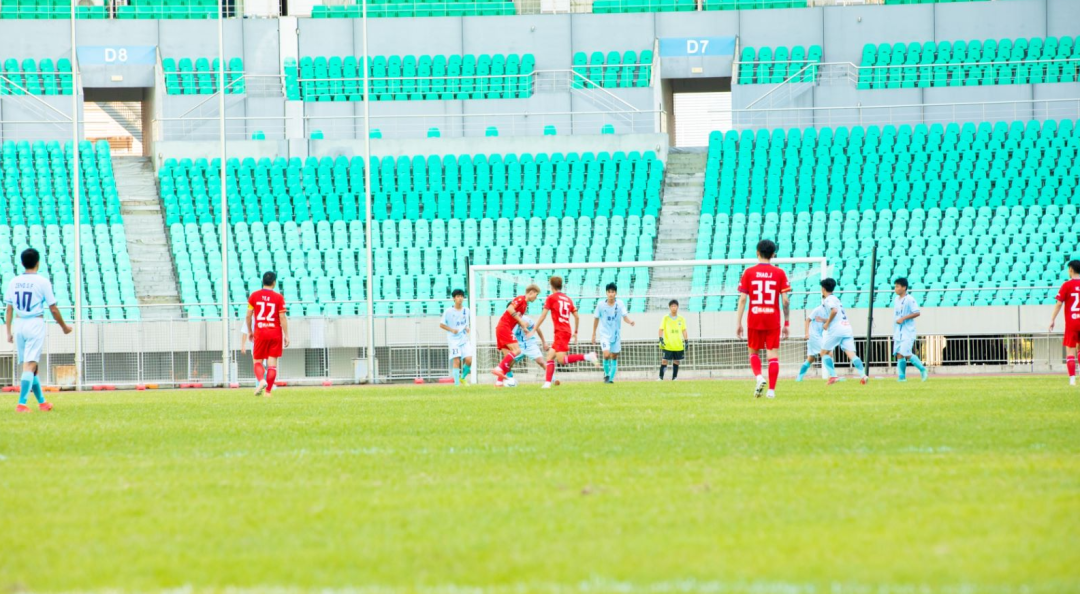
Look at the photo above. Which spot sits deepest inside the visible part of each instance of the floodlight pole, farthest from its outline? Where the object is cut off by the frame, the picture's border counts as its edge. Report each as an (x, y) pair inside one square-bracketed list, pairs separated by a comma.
[(367, 202), (75, 201), (226, 365)]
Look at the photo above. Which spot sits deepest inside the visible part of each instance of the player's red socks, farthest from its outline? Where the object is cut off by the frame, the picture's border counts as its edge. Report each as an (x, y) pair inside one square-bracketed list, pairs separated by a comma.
[(260, 371), (1070, 364), (574, 358), (549, 371), (271, 376), (774, 372), (755, 364), (505, 364)]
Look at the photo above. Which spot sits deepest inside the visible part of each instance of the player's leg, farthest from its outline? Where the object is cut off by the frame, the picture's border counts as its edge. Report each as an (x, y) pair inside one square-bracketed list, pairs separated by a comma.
[(29, 342), (36, 389), (674, 369), (1070, 364), (755, 342), (663, 364), (271, 367), (511, 351), (828, 344), (901, 367), (772, 351), (848, 346), (613, 367), (807, 364), (909, 349), (466, 369), (455, 370)]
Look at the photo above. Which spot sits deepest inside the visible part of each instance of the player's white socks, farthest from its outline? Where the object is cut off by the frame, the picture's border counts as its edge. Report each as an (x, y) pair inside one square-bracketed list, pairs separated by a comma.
[(770, 394)]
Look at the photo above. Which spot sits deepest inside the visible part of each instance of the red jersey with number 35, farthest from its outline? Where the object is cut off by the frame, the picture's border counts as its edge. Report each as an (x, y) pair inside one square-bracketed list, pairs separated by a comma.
[(520, 305), (267, 307), (1069, 296), (764, 284), (561, 306)]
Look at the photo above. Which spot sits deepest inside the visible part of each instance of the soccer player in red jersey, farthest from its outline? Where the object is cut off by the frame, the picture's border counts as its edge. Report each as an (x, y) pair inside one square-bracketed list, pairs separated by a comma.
[(1069, 298), (271, 329), (767, 289), (504, 331), (561, 307)]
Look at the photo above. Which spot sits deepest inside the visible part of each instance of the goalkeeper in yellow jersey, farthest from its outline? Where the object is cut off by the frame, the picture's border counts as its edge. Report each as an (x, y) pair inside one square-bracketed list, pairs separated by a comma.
[(673, 340)]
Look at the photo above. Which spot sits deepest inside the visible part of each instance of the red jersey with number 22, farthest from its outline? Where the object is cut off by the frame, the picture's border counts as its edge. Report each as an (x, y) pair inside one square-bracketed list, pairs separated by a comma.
[(1069, 296), (520, 305), (561, 306), (267, 306), (764, 284)]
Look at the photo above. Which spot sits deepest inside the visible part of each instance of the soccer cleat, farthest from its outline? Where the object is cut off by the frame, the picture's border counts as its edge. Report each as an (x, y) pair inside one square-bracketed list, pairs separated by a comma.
[(546, 386), (925, 375), (759, 389), (770, 394), (498, 383), (832, 380), (864, 379), (259, 389), (22, 408), (45, 406), (594, 359), (901, 379), (1072, 381), (499, 373), (464, 381)]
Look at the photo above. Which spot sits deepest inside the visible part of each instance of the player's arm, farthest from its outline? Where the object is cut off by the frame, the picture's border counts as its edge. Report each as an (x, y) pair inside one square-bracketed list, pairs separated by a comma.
[(11, 313), (785, 305), (740, 309), (543, 341), (59, 318), (577, 323), (628, 320), (247, 326), (1053, 316), (663, 321), (540, 320), (284, 328), (910, 316), (447, 328), (828, 320), (595, 324), (806, 327)]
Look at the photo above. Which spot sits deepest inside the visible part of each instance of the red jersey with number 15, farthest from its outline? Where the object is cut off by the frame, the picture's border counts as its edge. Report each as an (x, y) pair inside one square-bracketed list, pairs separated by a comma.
[(267, 306), (520, 305), (1069, 296), (763, 284), (561, 306)]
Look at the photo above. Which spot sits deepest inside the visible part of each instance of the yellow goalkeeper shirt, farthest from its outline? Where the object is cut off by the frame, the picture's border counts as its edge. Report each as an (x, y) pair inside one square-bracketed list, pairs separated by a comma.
[(673, 332)]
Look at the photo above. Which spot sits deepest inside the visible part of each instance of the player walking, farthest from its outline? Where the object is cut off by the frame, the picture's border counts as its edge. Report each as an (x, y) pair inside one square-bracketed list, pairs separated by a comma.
[(457, 321), (766, 287), (608, 317), (504, 331), (561, 307), (266, 316), (837, 333), (905, 310), (814, 331), (247, 341), (27, 296), (1069, 297), (673, 340)]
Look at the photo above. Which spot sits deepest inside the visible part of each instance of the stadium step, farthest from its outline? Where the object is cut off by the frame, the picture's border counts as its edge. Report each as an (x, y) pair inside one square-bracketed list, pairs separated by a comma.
[(147, 243), (684, 186)]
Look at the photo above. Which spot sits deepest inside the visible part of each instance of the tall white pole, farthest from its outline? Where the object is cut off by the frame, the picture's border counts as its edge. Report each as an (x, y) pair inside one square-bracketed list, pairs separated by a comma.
[(367, 205), (75, 201), (226, 364)]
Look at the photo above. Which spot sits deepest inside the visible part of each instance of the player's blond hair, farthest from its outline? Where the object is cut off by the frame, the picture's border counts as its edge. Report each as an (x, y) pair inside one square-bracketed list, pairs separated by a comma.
[(533, 288)]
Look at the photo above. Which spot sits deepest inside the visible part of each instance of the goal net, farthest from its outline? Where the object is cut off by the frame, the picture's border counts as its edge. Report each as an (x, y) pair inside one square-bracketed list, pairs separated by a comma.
[(706, 290)]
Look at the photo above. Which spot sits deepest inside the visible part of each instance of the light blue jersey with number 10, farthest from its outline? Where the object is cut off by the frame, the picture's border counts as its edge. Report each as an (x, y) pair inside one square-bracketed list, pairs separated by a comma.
[(29, 295)]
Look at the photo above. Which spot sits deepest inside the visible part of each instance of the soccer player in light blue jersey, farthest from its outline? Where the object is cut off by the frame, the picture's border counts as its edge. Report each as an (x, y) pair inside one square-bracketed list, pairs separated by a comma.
[(457, 321), (814, 334), (905, 310), (838, 333), (608, 318), (533, 346), (27, 297)]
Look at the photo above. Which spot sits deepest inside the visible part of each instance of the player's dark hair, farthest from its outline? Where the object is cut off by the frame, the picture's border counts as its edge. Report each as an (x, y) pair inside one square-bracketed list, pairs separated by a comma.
[(766, 248), (829, 284), (556, 283), (1073, 264), (902, 282), (269, 278), (30, 258), (457, 292), (672, 302), (611, 287)]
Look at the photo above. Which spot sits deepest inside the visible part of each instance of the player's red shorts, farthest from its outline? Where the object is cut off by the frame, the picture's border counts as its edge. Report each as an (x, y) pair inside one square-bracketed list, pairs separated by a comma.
[(561, 344), (266, 347), (1072, 337), (763, 339), (504, 337)]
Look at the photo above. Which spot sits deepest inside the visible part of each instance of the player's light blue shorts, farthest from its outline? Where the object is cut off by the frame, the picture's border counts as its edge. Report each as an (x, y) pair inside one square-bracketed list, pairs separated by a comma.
[(29, 339), (611, 346), (813, 346), (903, 344), (846, 342), (529, 349), (461, 349)]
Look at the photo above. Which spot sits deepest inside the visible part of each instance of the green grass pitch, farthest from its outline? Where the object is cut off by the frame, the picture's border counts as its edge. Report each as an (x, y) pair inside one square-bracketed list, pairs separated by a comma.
[(961, 486)]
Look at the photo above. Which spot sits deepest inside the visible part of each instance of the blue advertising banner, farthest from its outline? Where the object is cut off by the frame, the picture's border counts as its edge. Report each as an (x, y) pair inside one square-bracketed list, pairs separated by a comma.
[(117, 55), (682, 47)]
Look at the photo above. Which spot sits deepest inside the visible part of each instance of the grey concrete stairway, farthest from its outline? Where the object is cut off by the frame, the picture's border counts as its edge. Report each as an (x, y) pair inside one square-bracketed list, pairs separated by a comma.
[(680, 210), (147, 242)]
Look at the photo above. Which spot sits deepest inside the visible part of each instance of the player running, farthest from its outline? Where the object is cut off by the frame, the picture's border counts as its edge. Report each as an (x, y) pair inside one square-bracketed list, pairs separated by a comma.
[(561, 307), (504, 331), (457, 321), (767, 289), (1069, 297), (673, 340), (905, 310), (608, 317), (266, 316), (814, 331), (532, 344), (837, 334), (27, 296)]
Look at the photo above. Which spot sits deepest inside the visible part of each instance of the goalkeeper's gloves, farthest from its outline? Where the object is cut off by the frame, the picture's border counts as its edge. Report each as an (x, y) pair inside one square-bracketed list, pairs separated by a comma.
[(686, 343), (661, 342)]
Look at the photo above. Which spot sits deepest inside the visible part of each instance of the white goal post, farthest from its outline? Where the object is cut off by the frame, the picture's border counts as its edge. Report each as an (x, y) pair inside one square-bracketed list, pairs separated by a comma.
[(705, 289)]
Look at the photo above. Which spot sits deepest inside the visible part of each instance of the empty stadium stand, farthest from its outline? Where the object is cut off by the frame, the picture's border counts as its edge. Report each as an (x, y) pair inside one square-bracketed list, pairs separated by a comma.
[(418, 8), (48, 9), (31, 77), (986, 207), (411, 78), (768, 66), (168, 9), (971, 63), (614, 70), (36, 210), (200, 76)]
